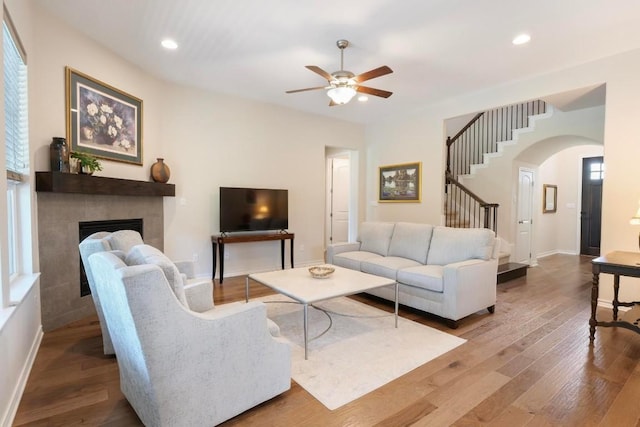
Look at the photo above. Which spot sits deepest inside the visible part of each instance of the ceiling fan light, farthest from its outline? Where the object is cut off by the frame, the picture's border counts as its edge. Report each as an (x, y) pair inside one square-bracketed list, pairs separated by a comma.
[(341, 95)]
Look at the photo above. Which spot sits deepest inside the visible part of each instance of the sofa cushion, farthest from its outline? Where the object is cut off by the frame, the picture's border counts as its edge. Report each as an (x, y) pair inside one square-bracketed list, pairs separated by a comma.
[(375, 237), (386, 266), (145, 254), (411, 241), (428, 277), (353, 259), (449, 245)]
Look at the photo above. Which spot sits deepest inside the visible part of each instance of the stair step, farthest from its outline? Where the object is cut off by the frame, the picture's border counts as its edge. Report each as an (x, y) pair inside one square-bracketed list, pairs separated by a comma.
[(510, 271)]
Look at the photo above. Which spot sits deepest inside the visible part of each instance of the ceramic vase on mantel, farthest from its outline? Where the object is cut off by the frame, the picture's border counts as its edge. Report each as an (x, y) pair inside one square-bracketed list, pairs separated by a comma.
[(59, 154), (160, 172)]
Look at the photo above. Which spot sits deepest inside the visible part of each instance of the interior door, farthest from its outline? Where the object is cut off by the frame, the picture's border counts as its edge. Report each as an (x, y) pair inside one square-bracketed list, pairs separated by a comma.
[(339, 212), (591, 209), (525, 216)]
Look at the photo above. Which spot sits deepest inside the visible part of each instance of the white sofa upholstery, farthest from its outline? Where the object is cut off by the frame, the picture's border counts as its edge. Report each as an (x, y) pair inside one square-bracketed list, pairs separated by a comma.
[(449, 272), (198, 293), (182, 368)]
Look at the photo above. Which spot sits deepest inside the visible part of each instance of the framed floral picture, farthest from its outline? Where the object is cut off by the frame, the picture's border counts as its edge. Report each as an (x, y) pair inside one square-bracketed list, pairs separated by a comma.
[(400, 183), (102, 120)]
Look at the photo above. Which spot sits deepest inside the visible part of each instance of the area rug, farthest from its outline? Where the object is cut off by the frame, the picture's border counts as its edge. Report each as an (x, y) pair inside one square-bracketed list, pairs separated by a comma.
[(357, 348)]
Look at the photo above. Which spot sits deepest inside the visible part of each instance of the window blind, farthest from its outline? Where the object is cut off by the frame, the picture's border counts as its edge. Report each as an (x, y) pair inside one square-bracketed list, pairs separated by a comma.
[(15, 104)]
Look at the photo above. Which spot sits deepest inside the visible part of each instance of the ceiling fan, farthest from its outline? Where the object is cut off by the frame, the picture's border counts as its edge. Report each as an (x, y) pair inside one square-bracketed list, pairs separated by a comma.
[(343, 85)]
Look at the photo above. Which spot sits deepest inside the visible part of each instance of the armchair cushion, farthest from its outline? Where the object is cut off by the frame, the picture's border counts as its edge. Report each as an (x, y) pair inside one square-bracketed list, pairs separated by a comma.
[(145, 254), (124, 240)]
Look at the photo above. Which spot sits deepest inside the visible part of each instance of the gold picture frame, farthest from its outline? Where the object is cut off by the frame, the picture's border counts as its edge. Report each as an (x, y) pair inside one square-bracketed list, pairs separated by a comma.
[(549, 198), (102, 120), (400, 183)]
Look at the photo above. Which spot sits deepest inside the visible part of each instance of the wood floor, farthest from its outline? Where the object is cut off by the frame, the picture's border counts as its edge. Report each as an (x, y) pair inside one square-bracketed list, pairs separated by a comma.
[(529, 364)]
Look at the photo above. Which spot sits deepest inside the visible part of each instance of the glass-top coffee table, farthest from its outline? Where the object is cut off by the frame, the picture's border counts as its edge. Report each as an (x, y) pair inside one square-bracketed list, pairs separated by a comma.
[(299, 285)]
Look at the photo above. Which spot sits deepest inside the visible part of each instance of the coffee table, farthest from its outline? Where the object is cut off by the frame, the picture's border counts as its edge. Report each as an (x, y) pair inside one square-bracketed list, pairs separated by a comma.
[(298, 285)]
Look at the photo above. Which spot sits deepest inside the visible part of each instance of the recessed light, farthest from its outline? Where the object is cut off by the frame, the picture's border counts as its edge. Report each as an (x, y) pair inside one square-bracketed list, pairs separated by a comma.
[(521, 39), (169, 44), (363, 98)]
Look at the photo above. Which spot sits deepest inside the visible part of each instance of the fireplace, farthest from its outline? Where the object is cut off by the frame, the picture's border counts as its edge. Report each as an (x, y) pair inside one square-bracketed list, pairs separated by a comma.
[(64, 201), (87, 228)]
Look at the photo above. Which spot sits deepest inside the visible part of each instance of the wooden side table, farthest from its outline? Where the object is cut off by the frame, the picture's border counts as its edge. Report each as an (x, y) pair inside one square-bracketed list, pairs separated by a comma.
[(619, 264), (220, 241)]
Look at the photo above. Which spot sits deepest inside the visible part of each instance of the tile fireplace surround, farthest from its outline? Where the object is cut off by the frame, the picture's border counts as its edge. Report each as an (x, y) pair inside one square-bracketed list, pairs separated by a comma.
[(64, 200)]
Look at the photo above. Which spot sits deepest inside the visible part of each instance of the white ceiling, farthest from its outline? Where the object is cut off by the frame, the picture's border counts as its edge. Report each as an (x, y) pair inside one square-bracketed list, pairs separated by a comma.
[(257, 49)]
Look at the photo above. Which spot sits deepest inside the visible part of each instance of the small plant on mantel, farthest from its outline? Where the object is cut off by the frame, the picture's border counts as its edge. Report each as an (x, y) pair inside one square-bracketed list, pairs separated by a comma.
[(87, 163)]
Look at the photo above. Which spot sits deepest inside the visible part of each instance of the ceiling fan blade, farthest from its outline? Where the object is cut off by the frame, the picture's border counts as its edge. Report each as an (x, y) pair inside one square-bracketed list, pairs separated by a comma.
[(320, 71), (371, 91), (306, 89), (378, 72), (332, 104)]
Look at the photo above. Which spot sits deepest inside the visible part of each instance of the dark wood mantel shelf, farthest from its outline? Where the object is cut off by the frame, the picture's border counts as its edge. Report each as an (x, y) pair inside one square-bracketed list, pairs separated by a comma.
[(58, 182)]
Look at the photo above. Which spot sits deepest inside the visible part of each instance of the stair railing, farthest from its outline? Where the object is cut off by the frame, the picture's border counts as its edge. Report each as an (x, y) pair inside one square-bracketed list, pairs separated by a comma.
[(467, 147), (471, 211), (483, 133)]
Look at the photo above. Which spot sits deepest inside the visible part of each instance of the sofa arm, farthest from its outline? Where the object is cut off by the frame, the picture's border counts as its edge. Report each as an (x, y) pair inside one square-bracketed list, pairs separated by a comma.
[(337, 248), (186, 267), (470, 286), (199, 293)]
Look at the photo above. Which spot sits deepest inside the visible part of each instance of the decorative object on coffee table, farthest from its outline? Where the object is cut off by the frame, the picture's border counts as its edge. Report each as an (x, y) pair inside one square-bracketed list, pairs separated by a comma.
[(87, 163), (59, 154), (160, 172), (321, 271), (102, 120)]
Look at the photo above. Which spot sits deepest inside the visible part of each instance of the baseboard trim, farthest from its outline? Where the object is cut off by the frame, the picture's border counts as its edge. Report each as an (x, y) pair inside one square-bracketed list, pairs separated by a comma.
[(16, 396)]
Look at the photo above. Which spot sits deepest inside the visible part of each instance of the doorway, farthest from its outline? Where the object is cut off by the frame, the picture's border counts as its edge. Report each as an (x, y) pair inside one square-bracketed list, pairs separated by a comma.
[(341, 195), (525, 216), (591, 205)]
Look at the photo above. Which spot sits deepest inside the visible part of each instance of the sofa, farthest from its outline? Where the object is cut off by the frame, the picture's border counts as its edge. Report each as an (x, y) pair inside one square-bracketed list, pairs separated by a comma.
[(448, 272)]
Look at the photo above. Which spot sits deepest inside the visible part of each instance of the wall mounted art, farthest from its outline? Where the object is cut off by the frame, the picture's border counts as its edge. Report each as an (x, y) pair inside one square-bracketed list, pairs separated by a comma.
[(400, 183), (549, 198), (102, 120)]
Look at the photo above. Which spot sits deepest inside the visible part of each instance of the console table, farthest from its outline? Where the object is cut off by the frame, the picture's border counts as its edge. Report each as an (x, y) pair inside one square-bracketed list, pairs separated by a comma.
[(619, 264), (220, 241)]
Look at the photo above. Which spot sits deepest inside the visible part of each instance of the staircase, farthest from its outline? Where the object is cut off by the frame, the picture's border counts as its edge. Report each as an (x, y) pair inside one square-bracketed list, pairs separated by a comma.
[(472, 147)]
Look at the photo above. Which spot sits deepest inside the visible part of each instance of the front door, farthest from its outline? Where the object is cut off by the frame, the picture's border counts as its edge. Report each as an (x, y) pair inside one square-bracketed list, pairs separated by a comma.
[(525, 216), (591, 209)]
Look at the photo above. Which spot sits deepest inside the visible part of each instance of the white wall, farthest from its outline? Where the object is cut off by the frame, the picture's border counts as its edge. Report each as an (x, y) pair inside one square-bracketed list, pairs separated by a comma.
[(208, 140), (216, 140), (419, 137), (559, 232), (546, 135)]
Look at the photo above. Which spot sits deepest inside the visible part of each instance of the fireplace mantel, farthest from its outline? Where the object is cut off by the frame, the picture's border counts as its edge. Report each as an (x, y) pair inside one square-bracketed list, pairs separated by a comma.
[(59, 182)]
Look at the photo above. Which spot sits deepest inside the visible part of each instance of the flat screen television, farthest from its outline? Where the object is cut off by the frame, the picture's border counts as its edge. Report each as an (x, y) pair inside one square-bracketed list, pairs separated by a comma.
[(253, 209)]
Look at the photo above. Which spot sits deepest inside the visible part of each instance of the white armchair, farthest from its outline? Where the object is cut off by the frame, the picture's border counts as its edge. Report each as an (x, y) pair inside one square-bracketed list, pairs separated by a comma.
[(178, 367), (198, 292)]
